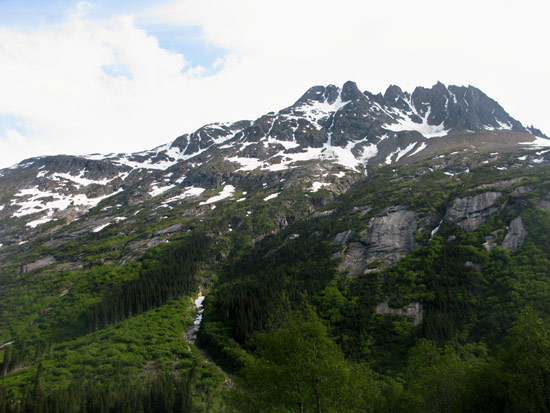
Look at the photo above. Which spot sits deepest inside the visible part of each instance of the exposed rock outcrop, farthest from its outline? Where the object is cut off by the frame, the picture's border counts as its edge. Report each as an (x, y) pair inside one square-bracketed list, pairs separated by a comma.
[(171, 229), (520, 190), (501, 184), (342, 237), (413, 310), (491, 241), (473, 265), (515, 236), (355, 259), (471, 212), (544, 203), (39, 263), (390, 235)]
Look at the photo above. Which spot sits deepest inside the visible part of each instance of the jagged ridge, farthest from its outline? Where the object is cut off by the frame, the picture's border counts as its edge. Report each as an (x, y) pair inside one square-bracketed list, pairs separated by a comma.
[(343, 128)]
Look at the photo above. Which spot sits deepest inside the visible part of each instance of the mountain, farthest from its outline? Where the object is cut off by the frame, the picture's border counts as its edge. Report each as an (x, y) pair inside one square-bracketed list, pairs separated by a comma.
[(382, 223), (343, 130)]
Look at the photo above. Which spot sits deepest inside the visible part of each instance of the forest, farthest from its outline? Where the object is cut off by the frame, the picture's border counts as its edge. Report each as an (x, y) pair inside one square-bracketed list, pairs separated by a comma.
[(285, 330)]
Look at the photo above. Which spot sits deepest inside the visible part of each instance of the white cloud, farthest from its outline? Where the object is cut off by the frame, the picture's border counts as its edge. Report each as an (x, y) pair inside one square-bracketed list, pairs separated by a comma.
[(58, 78), (286, 46)]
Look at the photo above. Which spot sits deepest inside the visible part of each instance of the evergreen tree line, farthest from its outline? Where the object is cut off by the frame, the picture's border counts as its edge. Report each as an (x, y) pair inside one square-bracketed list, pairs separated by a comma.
[(298, 368), (19, 355), (254, 286), (167, 392), (172, 275)]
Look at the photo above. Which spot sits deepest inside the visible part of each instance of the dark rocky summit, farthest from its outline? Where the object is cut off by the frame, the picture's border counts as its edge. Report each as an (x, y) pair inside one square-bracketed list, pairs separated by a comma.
[(329, 138)]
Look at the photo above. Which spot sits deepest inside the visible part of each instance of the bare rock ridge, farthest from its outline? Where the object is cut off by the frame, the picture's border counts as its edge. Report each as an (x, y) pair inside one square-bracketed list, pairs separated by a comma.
[(43, 262), (344, 130)]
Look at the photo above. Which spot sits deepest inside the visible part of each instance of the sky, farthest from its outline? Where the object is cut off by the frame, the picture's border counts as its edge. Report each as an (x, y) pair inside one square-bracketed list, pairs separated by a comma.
[(80, 77)]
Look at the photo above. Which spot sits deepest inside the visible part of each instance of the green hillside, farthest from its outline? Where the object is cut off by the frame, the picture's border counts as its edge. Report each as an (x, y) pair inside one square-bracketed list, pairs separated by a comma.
[(457, 323)]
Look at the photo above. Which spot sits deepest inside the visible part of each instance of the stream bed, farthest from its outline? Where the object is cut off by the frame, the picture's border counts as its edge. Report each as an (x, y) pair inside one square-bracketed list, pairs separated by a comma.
[(191, 331)]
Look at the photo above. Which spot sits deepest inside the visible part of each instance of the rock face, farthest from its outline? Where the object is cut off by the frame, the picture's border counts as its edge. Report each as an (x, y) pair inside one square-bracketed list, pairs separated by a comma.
[(544, 203), (342, 128), (342, 237), (39, 263), (454, 107), (515, 236), (355, 259), (169, 230), (413, 310), (471, 212), (491, 241), (390, 235)]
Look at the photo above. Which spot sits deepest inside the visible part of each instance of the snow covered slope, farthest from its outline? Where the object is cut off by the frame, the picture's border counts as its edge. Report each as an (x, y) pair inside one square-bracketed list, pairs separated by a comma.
[(341, 130)]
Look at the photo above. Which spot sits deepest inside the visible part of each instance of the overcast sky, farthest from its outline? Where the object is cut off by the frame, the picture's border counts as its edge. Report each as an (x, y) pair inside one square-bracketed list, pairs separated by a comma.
[(122, 76)]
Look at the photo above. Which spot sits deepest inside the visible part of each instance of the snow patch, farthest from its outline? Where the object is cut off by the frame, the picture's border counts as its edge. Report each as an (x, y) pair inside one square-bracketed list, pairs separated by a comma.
[(286, 144), (79, 180), (226, 192), (9, 343), (35, 202), (405, 123), (315, 186), (155, 190), (247, 164), (97, 229), (419, 149), (315, 111), (189, 192), (267, 198), (434, 231), (537, 143), (35, 223), (403, 152)]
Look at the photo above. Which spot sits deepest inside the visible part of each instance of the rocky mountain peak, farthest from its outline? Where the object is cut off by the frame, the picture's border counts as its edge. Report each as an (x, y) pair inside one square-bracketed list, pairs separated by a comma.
[(340, 129), (350, 91), (322, 94)]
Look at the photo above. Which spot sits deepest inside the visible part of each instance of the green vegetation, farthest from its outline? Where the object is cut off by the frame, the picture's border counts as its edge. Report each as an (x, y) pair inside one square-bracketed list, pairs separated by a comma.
[(107, 334), (471, 297)]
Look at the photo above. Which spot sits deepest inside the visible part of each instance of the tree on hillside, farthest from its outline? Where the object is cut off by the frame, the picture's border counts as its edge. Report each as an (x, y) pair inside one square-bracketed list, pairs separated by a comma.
[(298, 368)]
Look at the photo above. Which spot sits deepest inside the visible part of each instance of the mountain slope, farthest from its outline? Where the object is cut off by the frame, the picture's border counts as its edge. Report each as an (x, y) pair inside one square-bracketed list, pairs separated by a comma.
[(342, 129), (393, 215)]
